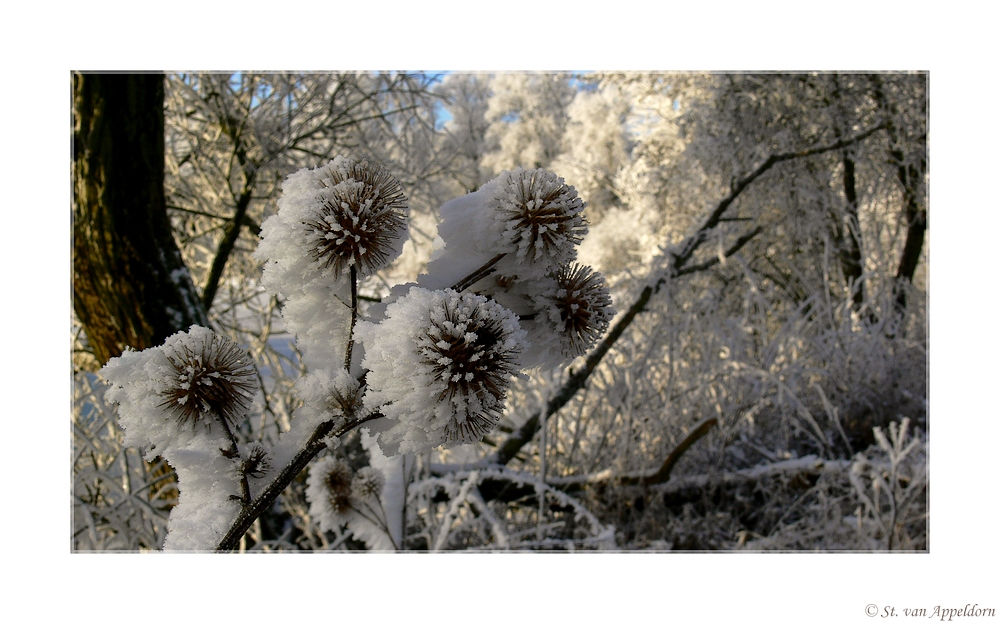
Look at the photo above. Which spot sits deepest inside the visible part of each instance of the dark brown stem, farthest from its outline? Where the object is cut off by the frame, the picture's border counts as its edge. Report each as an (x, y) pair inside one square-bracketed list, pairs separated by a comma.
[(663, 474), (313, 446), (354, 318), (478, 274), (233, 453)]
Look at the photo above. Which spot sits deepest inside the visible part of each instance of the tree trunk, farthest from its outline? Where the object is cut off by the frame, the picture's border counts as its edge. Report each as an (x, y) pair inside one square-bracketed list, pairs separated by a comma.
[(910, 170), (130, 285)]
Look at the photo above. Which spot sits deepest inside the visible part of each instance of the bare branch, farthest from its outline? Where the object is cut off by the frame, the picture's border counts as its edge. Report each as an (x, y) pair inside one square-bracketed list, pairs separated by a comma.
[(577, 379)]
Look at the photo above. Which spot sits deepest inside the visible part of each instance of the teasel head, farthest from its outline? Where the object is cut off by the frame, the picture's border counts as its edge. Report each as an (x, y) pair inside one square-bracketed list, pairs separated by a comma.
[(367, 483), (345, 399), (210, 377), (539, 215), (584, 304), (337, 478), (360, 214), (469, 346), (255, 461)]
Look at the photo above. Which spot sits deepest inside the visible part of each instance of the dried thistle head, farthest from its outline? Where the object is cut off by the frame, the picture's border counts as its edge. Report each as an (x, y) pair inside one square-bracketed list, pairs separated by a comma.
[(360, 214), (256, 461), (584, 305), (337, 477), (346, 400), (211, 376), (540, 216), (468, 345), (368, 483)]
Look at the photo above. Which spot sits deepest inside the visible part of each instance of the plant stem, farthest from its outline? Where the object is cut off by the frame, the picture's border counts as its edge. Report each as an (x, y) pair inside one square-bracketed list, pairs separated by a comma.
[(313, 446), (234, 453), (478, 274), (354, 318)]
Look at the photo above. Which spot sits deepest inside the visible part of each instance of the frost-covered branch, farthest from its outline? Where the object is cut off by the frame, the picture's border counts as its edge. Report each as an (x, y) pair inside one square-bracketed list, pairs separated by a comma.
[(676, 267), (315, 444)]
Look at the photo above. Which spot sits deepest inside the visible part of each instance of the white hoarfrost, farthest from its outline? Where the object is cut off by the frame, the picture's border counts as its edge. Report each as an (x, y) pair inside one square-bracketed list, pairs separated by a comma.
[(330, 219), (528, 217), (340, 496), (152, 388)]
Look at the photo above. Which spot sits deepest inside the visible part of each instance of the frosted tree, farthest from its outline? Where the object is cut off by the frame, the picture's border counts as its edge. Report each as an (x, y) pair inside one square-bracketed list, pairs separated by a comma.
[(467, 101), (527, 118)]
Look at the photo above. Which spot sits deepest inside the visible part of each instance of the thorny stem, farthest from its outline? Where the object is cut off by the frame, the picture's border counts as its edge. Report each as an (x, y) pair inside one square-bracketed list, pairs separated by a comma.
[(478, 274), (313, 446), (354, 318)]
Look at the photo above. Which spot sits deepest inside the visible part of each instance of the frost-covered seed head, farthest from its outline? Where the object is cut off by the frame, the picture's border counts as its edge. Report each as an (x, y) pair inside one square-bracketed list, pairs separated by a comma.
[(337, 479), (541, 216), (469, 349), (211, 376), (584, 305), (360, 213), (346, 401), (256, 461), (368, 483)]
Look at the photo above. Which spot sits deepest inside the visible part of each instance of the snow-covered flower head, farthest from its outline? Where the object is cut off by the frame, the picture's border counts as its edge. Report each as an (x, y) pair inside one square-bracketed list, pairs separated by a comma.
[(584, 306), (341, 214), (537, 216), (195, 377), (211, 376), (440, 366), (360, 214)]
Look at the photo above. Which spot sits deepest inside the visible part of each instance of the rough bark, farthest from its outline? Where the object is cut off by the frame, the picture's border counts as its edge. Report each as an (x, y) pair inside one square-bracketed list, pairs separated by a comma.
[(130, 285)]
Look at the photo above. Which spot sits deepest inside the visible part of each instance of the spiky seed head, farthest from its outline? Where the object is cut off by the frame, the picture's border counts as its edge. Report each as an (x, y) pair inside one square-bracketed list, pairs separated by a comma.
[(346, 401), (211, 377), (368, 483), (361, 211), (541, 216), (337, 479), (469, 347), (584, 305), (256, 461)]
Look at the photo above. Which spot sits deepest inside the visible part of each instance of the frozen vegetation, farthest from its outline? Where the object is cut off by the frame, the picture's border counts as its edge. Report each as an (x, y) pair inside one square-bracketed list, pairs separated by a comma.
[(629, 311)]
